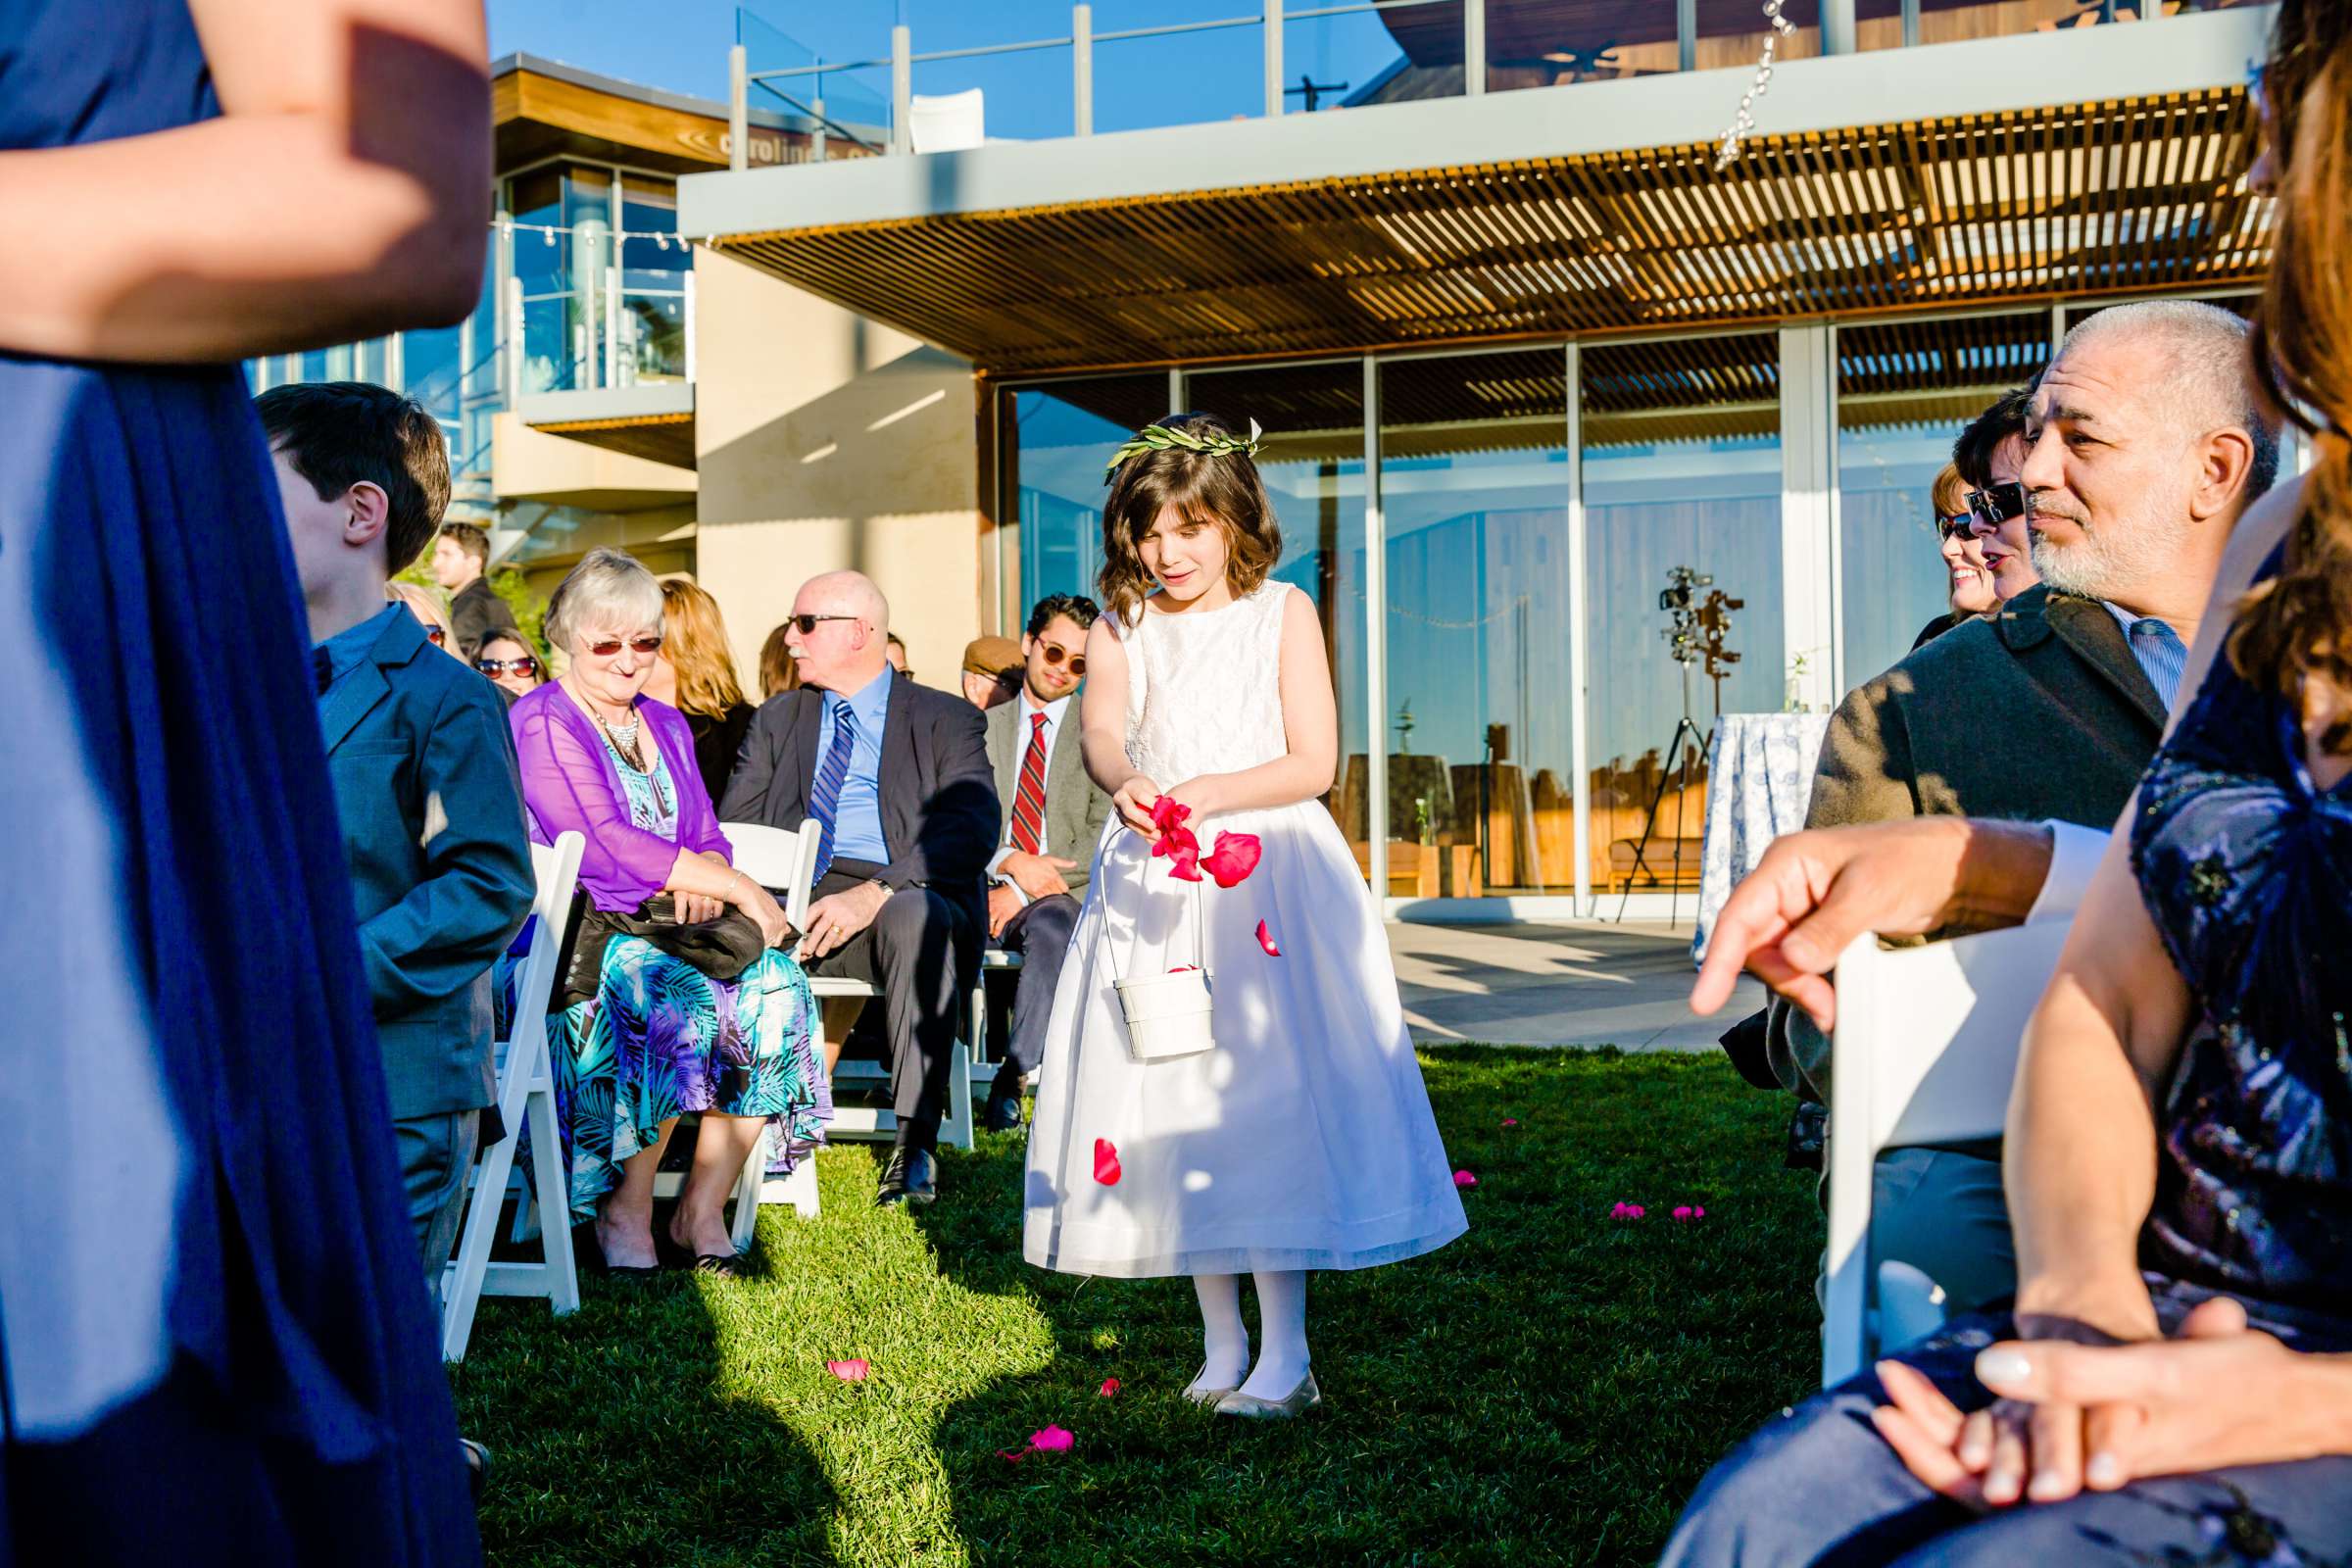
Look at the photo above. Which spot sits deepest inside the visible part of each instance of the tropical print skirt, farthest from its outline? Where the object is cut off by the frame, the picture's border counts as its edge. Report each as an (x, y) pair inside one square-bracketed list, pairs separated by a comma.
[(661, 1038)]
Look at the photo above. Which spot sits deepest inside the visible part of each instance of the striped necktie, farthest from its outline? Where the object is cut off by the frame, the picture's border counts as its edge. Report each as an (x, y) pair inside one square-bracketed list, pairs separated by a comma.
[(829, 777), (2161, 654), (1029, 802)]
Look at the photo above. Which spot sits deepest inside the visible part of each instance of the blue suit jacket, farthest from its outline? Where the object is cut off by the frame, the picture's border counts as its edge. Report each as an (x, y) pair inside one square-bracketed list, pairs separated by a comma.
[(432, 809)]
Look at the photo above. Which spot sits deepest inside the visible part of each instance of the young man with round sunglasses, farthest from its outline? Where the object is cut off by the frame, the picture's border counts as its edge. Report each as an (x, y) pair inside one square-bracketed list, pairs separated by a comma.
[(1053, 815)]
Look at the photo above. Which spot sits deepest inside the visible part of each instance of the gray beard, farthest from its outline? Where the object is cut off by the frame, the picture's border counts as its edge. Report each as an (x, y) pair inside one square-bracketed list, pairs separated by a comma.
[(2102, 566)]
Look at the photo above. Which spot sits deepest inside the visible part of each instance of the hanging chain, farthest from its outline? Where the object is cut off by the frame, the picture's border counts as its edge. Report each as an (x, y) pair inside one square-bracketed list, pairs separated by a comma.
[(1745, 121)]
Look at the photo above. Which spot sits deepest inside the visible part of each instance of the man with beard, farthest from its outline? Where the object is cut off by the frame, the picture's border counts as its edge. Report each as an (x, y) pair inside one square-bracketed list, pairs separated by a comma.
[(2142, 445)]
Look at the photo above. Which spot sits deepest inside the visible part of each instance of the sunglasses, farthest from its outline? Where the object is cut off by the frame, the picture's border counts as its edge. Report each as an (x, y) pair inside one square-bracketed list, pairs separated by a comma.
[(1998, 504), (495, 667), (1954, 524), (1055, 654), (644, 647), (808, 624)]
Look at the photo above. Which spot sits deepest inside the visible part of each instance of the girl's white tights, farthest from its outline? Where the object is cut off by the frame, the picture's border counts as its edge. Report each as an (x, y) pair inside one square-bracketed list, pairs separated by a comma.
[(1281, 1355)]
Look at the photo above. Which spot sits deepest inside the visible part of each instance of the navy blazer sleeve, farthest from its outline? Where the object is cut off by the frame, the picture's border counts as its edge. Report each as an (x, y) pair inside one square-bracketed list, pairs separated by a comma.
[(477, 881), (754, 780), (959, 821)]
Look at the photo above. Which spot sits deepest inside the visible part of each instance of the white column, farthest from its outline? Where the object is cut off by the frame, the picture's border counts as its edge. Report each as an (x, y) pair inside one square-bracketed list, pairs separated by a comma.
[(1580, 620), (1376, 645), (902, 89), (1837, 27), (1474, 47), (739, 109), (1082, 69), (1273, 40), (1808, 625), (1176, 390)]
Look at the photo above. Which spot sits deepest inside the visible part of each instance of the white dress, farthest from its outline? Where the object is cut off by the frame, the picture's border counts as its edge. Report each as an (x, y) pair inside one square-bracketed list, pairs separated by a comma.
[(1304, 1139)]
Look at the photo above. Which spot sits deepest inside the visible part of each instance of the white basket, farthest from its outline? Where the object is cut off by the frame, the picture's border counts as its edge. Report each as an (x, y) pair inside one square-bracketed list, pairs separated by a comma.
[(1167, 1016)]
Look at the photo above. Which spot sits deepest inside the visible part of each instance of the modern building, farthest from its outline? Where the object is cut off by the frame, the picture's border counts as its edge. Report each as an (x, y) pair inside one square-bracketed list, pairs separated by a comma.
[(1519, 345)]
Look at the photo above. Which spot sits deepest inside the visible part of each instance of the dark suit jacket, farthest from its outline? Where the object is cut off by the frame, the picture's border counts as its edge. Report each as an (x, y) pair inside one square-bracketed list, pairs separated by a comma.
[(938, 794), (432, 810), (1075, 808), (2039, 713), (474, 611)]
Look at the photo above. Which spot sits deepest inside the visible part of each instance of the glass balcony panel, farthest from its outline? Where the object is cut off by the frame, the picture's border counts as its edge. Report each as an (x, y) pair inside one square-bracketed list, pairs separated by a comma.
[(1546, 43), (1183, 79), (856, 102), (1355, 59), (1682, 467)]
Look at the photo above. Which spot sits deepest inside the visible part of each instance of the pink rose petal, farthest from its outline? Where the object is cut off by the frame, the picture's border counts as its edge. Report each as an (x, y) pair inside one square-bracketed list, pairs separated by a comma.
[(1012, 1455), (857, 1371), (1051, 1440), (1234, 858), (1169, 813), (1462, 1178), (1182, 852), (1627, 1211), (1111, 1387), (1106, 1162), (1267, 942), (1510, 1122)]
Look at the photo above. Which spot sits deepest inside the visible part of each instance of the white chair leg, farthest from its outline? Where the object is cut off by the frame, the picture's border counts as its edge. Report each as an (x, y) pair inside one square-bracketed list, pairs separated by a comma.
[(957, 1130), (461, 1279), (801, 1185), (746, 1221), (555, 1200)]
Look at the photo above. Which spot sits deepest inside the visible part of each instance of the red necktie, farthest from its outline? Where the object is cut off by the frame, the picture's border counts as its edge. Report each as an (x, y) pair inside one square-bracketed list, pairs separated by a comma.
[(1029, 804)]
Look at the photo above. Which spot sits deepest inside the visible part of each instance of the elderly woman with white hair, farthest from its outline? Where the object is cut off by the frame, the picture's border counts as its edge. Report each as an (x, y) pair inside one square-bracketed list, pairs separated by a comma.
[(669, 1018)]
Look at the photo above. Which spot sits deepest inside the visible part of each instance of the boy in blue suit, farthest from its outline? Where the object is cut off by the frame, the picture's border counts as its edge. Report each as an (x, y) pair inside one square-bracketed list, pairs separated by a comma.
[(424, 771)]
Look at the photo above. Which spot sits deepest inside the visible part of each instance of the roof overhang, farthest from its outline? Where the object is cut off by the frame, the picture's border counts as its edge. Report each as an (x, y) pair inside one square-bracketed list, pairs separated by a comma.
[(653, 420), (2048, 165)]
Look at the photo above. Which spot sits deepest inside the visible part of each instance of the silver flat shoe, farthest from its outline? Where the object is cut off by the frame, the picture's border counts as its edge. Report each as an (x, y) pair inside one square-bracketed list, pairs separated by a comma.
[(1303, 1399), (1201, 1396)]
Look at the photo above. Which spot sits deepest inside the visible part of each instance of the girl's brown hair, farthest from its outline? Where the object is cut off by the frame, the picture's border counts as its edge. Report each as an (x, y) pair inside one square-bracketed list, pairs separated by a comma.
[(694, 639), (2300, 621), (1948, 495), (1224, 490), (777, 672)]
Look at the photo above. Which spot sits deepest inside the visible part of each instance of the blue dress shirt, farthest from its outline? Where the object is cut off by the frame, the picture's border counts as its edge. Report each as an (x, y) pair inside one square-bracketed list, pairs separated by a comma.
[(2158, 647), (346, 648), (857, 816)]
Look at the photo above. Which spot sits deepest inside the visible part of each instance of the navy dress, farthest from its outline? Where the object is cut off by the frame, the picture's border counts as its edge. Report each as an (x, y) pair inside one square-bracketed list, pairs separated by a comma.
[(215, 1343), (2246, 871)]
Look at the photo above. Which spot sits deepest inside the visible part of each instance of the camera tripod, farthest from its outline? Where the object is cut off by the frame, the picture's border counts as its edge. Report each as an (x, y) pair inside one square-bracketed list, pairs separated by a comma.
[(1686, 745)]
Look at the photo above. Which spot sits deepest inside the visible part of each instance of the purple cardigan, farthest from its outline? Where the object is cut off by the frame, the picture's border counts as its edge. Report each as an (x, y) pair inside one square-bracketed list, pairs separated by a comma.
[(569, 782)]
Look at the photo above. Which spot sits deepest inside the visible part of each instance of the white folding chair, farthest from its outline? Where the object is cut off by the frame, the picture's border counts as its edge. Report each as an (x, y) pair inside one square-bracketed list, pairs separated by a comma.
[(948, 121), (526, 1095), (1924, 1052), (859, 1121)]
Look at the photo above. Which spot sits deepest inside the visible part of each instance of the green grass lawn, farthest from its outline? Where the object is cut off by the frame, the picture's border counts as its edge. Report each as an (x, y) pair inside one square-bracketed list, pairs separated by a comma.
[(1546, 1390)]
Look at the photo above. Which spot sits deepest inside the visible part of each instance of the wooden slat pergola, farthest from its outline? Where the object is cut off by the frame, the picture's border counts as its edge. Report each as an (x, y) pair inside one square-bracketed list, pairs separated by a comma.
[(2136, 195)]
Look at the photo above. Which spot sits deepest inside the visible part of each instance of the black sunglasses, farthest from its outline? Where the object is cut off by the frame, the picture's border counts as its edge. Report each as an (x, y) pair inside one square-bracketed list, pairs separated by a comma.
[(1998, 504), (495, 667), (808, 624), (1954, 524)]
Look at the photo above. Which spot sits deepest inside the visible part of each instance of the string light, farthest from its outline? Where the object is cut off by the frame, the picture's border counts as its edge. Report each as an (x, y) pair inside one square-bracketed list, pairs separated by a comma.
[(1745, 121), (661, 238)]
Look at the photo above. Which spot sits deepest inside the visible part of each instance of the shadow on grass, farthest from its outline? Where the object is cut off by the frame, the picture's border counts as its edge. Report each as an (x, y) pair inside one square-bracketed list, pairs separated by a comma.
[(1546, 1390), (626, 1434)]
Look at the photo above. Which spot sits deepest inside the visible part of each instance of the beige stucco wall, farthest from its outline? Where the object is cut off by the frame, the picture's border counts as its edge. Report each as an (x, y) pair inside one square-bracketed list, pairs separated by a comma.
[(823, 441)]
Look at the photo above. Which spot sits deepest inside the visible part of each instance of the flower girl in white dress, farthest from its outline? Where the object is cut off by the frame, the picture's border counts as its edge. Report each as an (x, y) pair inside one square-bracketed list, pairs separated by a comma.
[(1303, 1139)]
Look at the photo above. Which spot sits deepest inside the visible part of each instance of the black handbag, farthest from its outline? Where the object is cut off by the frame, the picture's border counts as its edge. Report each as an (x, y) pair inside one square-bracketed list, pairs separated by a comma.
[(721, 948)]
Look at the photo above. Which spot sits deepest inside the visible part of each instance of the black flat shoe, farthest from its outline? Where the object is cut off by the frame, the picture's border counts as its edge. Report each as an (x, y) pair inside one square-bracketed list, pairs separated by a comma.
[(1002, 1115), (727, 1265), (586, 1249), (912, 1177), (478, 1467)]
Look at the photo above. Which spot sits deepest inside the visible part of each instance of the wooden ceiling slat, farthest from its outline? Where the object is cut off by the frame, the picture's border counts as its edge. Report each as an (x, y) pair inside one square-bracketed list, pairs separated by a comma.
[(2135, 194)]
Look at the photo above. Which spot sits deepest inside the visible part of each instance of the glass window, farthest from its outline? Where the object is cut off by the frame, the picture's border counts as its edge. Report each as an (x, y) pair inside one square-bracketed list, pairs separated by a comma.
[(1681, 468), (1474, 502), (562, 260), (654, 272), (1314, 464), (1055, 439), (1905, 389)]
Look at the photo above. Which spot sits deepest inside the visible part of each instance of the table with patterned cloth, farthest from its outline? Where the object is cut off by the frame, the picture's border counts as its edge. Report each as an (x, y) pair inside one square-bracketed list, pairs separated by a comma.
[(1759, 781)]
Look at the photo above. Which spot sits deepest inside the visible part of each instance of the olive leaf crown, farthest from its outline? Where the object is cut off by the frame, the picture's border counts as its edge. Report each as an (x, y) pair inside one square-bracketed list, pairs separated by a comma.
[(1159, 438)]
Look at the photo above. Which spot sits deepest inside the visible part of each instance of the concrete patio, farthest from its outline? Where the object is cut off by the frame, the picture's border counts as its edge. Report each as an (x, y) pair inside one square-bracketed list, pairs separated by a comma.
[(1573, 983)]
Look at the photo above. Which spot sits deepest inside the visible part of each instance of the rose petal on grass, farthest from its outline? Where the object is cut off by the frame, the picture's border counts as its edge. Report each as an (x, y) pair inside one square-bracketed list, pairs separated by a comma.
[(1111, 1387), (1106, 1162), (1510, 1122), (1462, 1178), (857, 1371), (1627, 1211), (1234, 858), (1012, 1455), (1266, 942), (1051, 1440)]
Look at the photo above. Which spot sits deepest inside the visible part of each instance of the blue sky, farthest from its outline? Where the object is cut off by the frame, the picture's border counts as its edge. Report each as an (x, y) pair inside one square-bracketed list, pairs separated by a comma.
[(682, 45)]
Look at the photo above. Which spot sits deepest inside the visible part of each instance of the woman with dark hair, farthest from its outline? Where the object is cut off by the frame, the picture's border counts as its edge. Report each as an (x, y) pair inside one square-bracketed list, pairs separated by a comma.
[(1969, 581), (2173, 1380), (215, 1343), (510, 664)]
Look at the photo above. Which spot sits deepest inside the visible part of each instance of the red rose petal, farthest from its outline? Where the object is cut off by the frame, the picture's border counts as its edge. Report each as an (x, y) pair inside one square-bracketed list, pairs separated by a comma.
[(1106, 1162), (1234, 858), (1168, 814), (1110, 1386), (1267, 942), (1462, 1178)]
